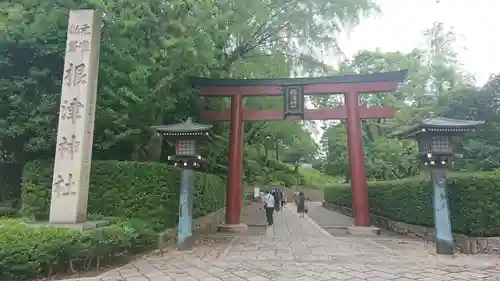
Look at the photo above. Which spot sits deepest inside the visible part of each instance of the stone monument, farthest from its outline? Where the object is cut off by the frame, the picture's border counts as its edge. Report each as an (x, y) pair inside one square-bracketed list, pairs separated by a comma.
[(70, 186)]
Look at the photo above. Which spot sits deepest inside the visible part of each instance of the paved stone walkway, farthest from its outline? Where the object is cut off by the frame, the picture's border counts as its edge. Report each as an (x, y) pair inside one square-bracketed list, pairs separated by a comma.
[(336, 223), (299, 249)]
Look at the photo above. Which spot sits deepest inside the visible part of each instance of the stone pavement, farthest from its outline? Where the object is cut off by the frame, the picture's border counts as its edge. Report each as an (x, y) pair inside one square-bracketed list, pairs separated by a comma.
[(336, 223), (299, 249)]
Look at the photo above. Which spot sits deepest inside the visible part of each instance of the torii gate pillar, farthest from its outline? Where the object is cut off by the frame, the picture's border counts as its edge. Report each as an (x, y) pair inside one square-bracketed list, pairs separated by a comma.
[(351, 86), (357, 167), (235, 169)]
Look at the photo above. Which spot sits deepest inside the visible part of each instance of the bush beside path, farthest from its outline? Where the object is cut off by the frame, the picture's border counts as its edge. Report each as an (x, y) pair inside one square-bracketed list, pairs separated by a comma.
[(138, 199), (473, 200)]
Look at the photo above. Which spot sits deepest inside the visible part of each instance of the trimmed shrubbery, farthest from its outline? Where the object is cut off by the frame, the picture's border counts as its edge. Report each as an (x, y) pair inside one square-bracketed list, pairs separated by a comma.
[(138, 199), (10, 188), (473, 199), (148, 191), (29, 252)]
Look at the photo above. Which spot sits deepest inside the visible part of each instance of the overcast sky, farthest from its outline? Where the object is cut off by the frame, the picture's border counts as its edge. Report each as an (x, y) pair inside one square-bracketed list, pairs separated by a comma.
[(399, 28)]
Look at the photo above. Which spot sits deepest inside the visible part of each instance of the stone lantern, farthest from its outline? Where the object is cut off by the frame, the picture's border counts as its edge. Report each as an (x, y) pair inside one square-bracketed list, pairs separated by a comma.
[(186, 135), (434, 137)]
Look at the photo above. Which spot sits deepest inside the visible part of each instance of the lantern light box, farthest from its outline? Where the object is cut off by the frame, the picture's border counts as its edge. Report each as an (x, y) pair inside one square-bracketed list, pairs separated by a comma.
[(186, 156), (434, 136), (186, 135)]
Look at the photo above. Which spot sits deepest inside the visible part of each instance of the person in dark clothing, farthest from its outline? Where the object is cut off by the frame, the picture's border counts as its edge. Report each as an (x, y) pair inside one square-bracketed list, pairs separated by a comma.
[(277, 199), (301, 204), (283, 201), (269, 206)]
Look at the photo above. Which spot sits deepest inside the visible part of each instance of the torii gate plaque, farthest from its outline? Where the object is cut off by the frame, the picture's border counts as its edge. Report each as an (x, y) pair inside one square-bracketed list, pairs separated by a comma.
[(350, 86)]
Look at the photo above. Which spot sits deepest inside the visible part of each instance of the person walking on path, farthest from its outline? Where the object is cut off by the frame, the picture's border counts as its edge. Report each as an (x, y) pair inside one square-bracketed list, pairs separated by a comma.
[(277, 199), (269, 205), (283, 198), (301, 204)]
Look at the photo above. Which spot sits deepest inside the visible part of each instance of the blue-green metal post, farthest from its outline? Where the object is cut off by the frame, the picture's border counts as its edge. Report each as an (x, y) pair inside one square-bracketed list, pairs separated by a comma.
[(186, 207), (444, 236)]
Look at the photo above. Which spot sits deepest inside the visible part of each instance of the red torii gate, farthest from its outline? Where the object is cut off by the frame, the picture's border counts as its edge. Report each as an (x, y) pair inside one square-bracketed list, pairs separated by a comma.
[(293, 90)]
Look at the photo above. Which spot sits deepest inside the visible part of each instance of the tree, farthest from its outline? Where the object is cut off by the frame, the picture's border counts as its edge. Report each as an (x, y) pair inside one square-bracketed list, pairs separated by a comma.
[(482, 151), (434, 74), (148, 51)]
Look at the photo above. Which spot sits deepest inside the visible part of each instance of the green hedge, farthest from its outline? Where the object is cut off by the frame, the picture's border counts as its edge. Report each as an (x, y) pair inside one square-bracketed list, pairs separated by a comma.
[(257, 173), (474, 201), (148, 191), (10, 186), (28, 252)]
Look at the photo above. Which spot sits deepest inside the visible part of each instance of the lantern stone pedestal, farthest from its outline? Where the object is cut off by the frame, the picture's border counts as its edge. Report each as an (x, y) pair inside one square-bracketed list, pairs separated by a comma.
[(363, 231), (232, 228), (434, 136)]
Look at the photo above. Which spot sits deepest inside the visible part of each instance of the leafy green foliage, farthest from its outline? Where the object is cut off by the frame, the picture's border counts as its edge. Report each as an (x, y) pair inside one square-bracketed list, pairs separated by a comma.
[(141, 190), (473, 201), (138, 198), (30, 252), (434, 78), (313, 178), (148, 50), (10, 185), (272, 172), (481, 152)]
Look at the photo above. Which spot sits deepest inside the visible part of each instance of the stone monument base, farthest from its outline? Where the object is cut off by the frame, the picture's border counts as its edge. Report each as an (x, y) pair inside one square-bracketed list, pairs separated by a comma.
[(363, 231), (232, 228), (82, 226)]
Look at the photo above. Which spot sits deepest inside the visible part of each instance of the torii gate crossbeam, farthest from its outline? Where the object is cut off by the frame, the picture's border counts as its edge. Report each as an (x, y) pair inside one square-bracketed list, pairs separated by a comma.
[(350, 86)]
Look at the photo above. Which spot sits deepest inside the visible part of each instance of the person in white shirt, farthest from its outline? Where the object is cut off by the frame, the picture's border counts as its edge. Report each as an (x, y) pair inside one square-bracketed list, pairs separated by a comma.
[(269, 205)]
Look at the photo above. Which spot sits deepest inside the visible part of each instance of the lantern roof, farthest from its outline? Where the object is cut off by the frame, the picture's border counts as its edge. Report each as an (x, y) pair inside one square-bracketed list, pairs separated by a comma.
[(184, 128), (436, 124)]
